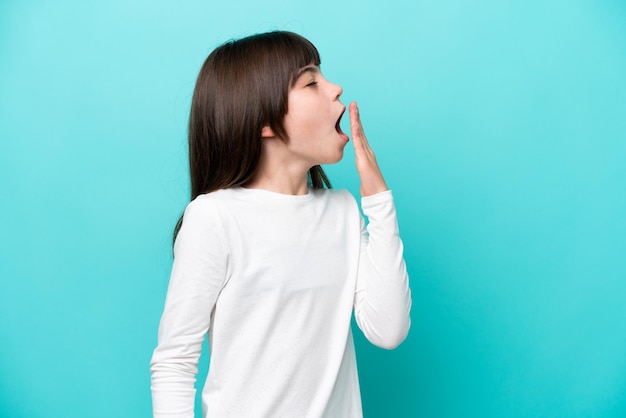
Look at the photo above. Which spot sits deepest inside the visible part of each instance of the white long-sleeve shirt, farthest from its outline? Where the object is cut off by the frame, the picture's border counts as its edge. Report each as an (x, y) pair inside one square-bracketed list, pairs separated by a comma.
[(274, 279)]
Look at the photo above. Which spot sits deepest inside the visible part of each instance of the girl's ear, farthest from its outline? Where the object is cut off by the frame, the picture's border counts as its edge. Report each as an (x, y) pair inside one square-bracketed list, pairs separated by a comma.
[(267, 132)]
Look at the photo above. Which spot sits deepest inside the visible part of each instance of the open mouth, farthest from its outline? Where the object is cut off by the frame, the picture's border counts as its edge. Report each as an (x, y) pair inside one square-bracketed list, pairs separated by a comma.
[(338, 125)]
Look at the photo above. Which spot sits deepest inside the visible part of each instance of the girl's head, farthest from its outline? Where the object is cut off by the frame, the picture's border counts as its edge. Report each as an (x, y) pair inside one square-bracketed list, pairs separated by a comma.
[(242, 87)]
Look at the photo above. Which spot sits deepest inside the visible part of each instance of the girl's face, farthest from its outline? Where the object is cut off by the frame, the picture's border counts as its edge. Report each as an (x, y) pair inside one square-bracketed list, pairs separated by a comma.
[(312, 119)]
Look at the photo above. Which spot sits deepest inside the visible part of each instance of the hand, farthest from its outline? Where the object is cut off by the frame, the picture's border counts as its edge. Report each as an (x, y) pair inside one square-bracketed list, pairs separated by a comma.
[(372, 180)]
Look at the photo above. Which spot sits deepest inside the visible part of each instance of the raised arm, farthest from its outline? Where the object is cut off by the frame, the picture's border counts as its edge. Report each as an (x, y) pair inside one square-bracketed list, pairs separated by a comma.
[(382, 301)]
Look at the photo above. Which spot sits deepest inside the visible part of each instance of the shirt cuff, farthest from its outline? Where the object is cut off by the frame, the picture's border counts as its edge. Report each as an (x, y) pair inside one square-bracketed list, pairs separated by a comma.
[(373, 200)]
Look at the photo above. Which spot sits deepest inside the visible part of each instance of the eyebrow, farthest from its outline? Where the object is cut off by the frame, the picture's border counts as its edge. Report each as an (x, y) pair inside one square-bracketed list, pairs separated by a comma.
[(313, 69)]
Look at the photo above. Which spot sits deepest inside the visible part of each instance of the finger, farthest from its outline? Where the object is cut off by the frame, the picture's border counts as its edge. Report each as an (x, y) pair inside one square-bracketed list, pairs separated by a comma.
[(358, 134), (372, 181), (354, 125)]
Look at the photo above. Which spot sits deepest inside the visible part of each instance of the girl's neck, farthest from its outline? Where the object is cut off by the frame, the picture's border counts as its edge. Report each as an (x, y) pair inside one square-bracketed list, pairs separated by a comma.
[(280, 175)]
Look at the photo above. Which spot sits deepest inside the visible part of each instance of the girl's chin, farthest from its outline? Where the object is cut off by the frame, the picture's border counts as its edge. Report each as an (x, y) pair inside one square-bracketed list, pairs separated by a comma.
[(338, 158)]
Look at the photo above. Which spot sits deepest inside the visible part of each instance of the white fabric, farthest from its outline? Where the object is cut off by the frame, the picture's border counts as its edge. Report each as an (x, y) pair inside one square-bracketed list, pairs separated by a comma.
[(274, 279)]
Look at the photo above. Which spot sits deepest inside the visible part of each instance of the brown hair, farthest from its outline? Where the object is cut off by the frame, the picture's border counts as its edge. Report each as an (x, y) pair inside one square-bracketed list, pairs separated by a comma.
[(243, 86)]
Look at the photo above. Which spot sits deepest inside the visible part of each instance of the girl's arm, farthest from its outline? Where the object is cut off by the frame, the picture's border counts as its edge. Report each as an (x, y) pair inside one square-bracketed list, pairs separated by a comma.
[(383, 299), (198, 274)]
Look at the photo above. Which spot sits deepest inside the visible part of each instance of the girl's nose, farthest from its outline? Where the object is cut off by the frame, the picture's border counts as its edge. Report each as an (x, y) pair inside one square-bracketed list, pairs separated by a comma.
[(337, 91)]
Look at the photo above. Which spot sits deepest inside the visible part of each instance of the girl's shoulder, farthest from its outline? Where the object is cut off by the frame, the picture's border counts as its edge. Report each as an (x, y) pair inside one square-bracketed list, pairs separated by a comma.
[(237, 197), (341, 195), (217, 198), (208, 208), (338, 199)]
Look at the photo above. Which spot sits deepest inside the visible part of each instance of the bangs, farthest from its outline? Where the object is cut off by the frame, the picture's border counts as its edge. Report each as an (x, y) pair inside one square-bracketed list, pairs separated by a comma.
[(299, 52)]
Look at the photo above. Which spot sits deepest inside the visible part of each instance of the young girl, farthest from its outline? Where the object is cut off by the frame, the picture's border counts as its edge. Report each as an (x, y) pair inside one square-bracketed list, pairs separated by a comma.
[(268, 260)]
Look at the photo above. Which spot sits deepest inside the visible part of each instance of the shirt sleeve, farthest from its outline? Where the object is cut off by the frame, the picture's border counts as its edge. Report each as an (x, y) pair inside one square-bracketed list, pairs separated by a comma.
[(198, 274), (382, 301)]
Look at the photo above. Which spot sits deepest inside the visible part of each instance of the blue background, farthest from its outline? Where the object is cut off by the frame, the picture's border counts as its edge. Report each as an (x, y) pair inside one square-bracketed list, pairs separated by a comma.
[(500, 126)]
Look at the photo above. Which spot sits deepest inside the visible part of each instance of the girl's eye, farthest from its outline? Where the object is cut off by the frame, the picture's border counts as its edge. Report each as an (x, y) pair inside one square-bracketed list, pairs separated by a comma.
[(311, 84)]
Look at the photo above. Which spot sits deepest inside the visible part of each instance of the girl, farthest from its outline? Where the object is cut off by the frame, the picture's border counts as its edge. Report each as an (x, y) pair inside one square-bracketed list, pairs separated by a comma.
[(268, 260)]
